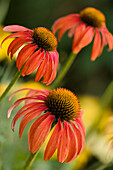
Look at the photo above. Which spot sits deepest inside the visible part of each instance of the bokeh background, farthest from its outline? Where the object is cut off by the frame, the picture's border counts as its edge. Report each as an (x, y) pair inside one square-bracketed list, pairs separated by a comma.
[(85, 78)]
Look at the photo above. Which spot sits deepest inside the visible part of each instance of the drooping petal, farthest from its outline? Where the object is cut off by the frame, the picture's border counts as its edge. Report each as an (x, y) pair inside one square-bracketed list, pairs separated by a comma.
[(63, 145), (33, 62), (18, 34), (60, 22), (41, 69), (86, 39), (55, 57), (109, 38), (39, 131), (72, 146), (48, 71), (26, 56), (30, 116), (16, 28), (24, 99), (96, 46), (21, 53), (31, 91), (78, 34), (53, 141), (67, 26), (80, 138), (16, 44), (80, 125), (27, 109)]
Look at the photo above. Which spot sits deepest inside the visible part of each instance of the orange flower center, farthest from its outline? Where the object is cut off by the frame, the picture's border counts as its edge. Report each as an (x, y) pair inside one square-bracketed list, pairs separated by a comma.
[(92, 17), (45, 39), (63, 104)]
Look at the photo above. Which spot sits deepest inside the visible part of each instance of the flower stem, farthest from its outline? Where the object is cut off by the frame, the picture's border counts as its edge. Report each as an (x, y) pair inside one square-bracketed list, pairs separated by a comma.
[(30, 161), (64, 70), (106, 98), (15, 78)]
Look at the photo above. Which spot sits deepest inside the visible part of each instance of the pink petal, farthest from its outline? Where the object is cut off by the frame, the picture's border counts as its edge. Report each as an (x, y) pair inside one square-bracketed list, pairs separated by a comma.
[(16, 28), (33, 62), (61, 21), (21, 53), (80, 125), (63, 145), (31, 91), (18, 34), (109, 39), (96, 46), (23, 99), (16, 44), (53, 141), (67, 26), (86, 39), (30, 116), (39, 131), (80, 138), (25, 56), (72, 146), (48, 71), (55, 56), (41, 69), (78, 34), (26, 109)]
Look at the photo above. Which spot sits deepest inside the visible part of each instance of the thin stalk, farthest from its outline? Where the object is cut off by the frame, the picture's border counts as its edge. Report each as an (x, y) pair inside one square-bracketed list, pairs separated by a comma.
[(30, 161), (15, 78), (64, 70)]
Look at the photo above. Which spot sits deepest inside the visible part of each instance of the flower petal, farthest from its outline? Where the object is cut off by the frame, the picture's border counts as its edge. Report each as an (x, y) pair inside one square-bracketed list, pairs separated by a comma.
[(16, 28), (39, 131), (61, 21), (25, 110), (48, 71), (16, 44), (80, 138), (96, 46), (85, 39), (72, 146), (25, 56), (55, 57), (41, 68), (18, 34), (33, 62), (63, 145), (30, 116), (53, 141)]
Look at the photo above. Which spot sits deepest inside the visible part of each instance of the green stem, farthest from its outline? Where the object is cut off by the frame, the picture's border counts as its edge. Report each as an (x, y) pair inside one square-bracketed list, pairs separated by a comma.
[(64, 70), (104, 102), (16, 77), (30, 161)]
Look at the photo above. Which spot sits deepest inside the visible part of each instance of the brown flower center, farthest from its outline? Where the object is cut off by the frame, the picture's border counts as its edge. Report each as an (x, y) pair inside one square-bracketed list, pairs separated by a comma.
[(63, 104), (92, 17), (45, 39)]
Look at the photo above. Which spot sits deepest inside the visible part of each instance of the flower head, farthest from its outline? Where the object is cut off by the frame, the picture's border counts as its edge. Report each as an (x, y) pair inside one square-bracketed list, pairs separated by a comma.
[(61, 109), (84, 26), (38, 51)]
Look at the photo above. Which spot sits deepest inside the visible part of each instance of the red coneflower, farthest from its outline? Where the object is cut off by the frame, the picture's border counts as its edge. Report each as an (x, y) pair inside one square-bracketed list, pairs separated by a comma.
[(61, 109), (84, 26), (39, 51)]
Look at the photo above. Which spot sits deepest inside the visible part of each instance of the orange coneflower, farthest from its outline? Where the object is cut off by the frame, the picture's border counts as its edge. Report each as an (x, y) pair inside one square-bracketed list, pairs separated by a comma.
[(61, 109), (84, 26), (39, 51)]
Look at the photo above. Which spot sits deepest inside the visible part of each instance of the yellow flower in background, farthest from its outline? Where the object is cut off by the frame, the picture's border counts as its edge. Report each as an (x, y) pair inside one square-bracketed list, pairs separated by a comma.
[(90, 104), (3, 50)]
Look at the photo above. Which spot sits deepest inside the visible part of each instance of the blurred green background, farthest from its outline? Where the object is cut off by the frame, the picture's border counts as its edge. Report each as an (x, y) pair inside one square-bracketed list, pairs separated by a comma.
[(85, 78)]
